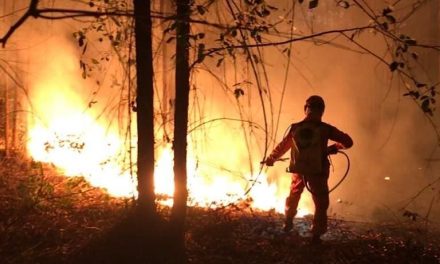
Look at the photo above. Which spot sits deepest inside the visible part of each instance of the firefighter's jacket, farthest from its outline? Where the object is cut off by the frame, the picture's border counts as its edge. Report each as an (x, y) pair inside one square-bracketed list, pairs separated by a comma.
[(292, 140)]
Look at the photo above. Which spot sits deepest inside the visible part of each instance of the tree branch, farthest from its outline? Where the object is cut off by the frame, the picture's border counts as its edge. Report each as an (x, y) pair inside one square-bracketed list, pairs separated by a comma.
[(278, 43), (32, 11)]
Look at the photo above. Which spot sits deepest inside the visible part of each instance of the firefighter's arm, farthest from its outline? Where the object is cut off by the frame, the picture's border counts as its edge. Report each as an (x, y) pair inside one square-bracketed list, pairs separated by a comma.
[(343, 141), (279, 150)]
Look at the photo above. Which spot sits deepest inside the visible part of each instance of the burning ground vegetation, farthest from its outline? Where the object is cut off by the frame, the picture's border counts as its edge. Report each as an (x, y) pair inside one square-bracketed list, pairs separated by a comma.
[(48, 218)]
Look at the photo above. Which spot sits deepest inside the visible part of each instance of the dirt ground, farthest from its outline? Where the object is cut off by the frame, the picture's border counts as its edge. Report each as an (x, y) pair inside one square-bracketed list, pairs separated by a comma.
[(47, 218)]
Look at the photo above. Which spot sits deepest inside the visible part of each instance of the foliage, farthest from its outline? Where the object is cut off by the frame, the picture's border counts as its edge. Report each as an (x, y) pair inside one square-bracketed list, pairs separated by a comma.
[(251, 28), (59, 232), (46, 216), (251, 25)]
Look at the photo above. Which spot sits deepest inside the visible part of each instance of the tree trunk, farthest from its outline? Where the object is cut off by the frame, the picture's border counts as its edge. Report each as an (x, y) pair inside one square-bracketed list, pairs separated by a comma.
[(145, 111), (181, 118)]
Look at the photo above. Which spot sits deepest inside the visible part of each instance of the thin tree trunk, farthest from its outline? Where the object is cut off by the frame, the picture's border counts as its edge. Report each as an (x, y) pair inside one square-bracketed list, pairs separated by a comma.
[(144, 104), (167, 81), (181, 118), (6, 118)]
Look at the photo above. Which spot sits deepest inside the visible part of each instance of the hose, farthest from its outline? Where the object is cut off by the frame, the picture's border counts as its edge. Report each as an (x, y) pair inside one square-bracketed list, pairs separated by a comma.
[(306, 184)]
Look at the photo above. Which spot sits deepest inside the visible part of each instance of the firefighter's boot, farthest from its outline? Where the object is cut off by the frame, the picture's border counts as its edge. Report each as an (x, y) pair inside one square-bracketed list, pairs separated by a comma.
[(288, 224)]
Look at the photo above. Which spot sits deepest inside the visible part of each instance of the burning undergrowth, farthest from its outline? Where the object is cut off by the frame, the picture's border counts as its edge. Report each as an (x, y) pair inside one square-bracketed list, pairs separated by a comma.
[(48, 218)]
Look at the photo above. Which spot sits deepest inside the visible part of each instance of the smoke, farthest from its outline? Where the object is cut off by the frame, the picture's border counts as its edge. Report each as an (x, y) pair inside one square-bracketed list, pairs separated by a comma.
[(395, 148), (393, 139)]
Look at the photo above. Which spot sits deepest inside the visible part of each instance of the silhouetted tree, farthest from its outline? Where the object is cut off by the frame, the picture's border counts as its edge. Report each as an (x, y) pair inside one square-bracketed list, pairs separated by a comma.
[(181, 117), (144, 106)]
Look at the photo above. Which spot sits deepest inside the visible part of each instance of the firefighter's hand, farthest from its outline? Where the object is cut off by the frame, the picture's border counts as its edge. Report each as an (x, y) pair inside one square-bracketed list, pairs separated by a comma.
[(332, 149), (269, 162)]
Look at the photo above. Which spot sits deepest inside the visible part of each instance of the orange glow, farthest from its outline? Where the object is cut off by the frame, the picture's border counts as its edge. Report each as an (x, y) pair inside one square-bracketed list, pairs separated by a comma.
[(94, 161), (65, 132)]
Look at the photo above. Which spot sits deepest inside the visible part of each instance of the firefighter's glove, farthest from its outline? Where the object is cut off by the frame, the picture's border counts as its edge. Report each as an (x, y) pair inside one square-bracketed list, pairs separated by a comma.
[(269, 162), (332, 149)]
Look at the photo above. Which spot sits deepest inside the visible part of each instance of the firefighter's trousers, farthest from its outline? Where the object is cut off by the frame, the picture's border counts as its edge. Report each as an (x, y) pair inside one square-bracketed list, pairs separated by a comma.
[(319, 190)]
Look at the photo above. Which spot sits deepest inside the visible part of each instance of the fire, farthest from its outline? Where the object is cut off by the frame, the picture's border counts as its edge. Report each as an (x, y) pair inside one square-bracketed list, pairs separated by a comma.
[(65, 132), (82, 148)]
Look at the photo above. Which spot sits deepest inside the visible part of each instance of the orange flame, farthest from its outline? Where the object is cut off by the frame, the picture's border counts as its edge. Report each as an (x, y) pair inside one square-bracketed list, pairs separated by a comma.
[(63, 134), (82, 148)]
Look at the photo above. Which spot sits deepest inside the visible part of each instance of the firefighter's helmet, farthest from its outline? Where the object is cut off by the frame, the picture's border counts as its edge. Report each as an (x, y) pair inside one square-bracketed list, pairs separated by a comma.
[(315, 103)]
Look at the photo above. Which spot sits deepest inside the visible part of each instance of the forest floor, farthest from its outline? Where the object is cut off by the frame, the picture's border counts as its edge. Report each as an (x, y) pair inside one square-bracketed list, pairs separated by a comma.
[(48, 218)]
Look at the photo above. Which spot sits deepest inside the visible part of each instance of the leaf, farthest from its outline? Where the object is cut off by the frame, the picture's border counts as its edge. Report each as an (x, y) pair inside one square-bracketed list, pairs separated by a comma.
[(230, 51), (258, 38), (313, 4), (82, 65), (404, 48), (413, 94), (84, 49), (81, 40), (91, 103), (420, 85), (256, 59), (426, 106), (201, 9), (414, 55), (234, 32), (265, 13), (411, 215), (411, 42), (171, 27), (386, 11), (391, 19), (238, 92), (393, 66), (219, 62), (343, 4), (200, 52)]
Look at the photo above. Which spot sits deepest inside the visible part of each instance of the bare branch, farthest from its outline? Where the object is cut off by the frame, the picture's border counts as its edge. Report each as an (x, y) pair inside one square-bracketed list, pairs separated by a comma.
[(32, 11), (284, 42), (59, 13)]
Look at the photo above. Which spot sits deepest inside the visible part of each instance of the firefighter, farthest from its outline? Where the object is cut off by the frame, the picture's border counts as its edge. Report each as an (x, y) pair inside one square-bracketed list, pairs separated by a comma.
[(309, 164)]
